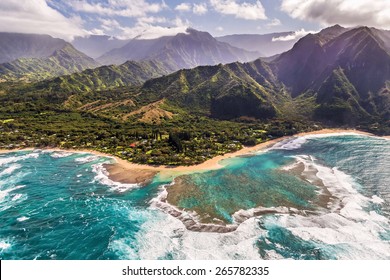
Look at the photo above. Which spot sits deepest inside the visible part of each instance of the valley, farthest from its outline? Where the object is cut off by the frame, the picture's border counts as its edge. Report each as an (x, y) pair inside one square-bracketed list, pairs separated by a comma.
[(147, 112)]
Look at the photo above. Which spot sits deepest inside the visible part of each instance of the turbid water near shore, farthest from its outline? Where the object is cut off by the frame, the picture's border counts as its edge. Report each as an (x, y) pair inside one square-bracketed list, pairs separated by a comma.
[(321, 196), (125, 171)]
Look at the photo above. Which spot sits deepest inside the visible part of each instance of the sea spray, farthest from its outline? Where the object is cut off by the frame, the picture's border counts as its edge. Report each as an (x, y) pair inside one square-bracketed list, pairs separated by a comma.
[(59, 214)]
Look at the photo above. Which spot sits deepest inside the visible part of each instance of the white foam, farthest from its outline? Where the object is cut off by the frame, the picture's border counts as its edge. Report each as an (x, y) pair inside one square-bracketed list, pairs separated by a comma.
[(17, 196), (86, 159), (162, 234), (289, 144), (294, 143), (10, 169), (333, 134), (60, 154), (22, 219), (347, 223), (7, 160), (102, 177), (4, 245), (376, 199), (5, 193)]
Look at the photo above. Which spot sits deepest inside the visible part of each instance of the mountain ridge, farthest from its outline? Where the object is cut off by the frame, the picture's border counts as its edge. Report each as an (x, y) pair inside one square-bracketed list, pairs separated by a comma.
[(62, 61), (21, 45), (184, 50), (337, 76)]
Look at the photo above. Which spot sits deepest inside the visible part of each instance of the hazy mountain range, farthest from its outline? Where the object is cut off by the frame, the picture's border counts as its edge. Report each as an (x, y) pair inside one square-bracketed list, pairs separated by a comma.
[(266, 45), (97, 45), (39, 57), (337, 76), (185, 50)]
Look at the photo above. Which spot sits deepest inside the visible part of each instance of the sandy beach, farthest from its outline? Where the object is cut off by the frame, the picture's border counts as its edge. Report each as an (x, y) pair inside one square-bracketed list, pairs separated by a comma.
[(127, 172), (214, 163)]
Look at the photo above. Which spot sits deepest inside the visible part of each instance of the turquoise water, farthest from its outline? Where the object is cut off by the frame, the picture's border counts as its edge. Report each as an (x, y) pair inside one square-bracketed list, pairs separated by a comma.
[(62, 206)]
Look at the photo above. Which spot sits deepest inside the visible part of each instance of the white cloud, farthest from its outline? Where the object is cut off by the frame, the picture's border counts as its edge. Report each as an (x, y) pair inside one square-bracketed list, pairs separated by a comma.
[(152, 19), (124, 8), (200, 9), (35, 16), (109, 24), (274, 22), (183, 7), (294, 36), (345, 12), (147, 30), (97, 31), (219, 29), (243, 10)]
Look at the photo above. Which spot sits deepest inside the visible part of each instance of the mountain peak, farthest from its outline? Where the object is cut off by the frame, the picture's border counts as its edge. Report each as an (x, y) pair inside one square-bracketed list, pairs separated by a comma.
[(331, 32), (184, 50), (196, 35), (19, 45)]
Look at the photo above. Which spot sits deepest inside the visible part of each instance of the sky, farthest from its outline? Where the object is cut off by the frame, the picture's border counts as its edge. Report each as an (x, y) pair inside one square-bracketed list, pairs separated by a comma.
[(148, 19)]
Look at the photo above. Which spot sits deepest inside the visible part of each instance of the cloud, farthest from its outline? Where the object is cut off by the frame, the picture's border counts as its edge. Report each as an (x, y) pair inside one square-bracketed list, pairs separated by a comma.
[(200, 9), (96, 31), (183, 7), (274, 22), (294, 36), (243, 10), (147, 31), (36, 16), (124, 8), (145, 28), (219, 29), (152, 19), (345, 12), (109, 24)]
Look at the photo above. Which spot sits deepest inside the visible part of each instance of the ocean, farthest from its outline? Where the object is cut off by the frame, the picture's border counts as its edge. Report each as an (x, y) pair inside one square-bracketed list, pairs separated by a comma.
[(313, 197)]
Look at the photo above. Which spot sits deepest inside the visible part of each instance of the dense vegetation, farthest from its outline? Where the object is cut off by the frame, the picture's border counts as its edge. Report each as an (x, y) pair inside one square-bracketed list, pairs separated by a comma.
[(63, 61), (336, 78), (80, 121)]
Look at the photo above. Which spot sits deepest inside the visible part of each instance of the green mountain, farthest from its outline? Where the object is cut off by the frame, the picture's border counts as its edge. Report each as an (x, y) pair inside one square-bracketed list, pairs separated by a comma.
[(223, 91), (265, 44), (348, 71), (97, 45), (128, 74), (17, 45), (63, 61), (338, 77), (184, 50)]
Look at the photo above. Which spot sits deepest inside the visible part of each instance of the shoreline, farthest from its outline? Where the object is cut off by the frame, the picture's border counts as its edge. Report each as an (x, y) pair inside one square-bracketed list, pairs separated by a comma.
[(127, 172)]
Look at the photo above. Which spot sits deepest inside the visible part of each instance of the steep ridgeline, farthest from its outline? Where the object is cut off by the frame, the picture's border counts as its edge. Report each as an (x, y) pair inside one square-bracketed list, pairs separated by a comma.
[(97, 45), (347, 70), (57, 58), (128, 74), (339, 76), (266, 45), (16, 45), (185, 50), (222, 91)]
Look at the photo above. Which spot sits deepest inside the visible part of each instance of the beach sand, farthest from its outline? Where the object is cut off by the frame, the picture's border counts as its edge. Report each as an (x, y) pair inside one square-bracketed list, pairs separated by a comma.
[(168, 172), (127, 172), (118, 173)]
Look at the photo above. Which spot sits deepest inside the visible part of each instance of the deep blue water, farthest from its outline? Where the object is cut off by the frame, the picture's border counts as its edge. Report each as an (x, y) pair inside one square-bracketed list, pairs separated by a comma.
[(56, 205)]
